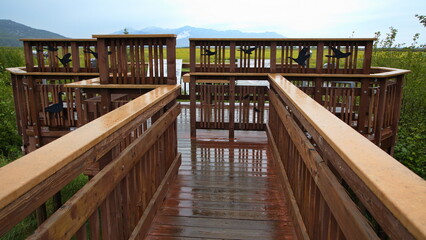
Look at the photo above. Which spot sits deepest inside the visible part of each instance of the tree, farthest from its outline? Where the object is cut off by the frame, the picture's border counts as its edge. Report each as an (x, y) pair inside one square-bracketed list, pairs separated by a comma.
[(125, 31), (422, 19)]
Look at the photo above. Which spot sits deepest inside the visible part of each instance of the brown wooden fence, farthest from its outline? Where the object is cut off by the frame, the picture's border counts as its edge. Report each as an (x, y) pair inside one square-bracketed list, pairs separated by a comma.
[(140, 141), (44, 55), (274, 55), (334, 176)]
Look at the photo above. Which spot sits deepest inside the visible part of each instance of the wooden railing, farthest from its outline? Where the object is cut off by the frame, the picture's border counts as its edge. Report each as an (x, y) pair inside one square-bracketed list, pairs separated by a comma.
[(44, 55), (140, 141), (33, 92), (274, 55), (335, 178), (137, 59), (370, 103), (132, 60)]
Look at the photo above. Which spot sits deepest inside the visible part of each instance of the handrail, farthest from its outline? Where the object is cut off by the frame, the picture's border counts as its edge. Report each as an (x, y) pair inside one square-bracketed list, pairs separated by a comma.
[(30, 175), (284, 39), (401, 191), (45, 161), (387, 72), (23, 72)]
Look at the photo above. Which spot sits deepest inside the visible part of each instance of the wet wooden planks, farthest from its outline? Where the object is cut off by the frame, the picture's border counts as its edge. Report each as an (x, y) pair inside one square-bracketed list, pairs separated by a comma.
[(224, 190)]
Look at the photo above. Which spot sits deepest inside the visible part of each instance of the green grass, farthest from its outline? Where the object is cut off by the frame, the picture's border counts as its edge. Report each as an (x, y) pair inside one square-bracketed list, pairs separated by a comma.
[(411, 144)]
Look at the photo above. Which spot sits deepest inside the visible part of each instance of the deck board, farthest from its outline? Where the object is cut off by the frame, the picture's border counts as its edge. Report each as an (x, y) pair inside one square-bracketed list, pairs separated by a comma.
[(224, 190)]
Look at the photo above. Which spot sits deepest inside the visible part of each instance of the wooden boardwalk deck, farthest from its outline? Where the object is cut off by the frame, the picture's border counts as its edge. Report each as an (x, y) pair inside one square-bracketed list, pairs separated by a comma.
[(223, 190)]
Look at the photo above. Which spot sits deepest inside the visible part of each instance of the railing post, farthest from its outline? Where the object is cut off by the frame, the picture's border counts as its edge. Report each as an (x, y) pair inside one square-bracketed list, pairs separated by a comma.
[(320, 58), (103, 61), (397, 111), (273, 57), (34, 110), (380, 114), (368, 52), (232, 57), (171, 61), (76, 57), (363, 106), (231, 106), (29, 62), (318, 87), (192, 51), (192, 102)]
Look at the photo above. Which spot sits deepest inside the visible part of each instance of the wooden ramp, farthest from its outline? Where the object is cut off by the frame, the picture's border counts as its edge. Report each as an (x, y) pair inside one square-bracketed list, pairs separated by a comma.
[(224, 190)]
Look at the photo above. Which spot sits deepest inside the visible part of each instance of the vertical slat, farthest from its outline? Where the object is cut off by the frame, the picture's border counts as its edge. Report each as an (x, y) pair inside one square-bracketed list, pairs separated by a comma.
[(363, 106), (231, 106), (94, 226), (380, 113)]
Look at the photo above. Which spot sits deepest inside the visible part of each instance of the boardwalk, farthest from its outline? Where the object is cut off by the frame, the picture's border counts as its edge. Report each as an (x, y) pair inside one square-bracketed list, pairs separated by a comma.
[(223, 190)]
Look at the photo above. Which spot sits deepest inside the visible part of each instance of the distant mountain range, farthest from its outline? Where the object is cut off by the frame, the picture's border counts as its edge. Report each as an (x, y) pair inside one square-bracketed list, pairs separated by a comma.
[(11, 32), (186, 32)]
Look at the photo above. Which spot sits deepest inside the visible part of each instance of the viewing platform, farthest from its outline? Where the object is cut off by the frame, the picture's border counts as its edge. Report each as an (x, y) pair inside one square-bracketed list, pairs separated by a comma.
[(259, 139)]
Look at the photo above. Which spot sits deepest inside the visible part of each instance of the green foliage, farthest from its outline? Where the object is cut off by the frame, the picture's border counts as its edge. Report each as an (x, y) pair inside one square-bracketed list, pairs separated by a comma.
[(422, 19), (410, 149), (9, 138)]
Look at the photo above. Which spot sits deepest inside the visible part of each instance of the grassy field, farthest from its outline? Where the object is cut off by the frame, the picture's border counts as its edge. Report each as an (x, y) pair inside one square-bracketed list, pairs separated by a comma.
[(410, 148)]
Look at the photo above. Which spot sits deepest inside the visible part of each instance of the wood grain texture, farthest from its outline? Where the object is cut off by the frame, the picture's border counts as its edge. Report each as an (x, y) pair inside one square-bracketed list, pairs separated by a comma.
[(400, 195), (45, 161), (223, 191)]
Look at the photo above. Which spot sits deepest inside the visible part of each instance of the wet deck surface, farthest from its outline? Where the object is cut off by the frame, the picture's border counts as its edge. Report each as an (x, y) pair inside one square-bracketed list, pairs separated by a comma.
[(224, 190)]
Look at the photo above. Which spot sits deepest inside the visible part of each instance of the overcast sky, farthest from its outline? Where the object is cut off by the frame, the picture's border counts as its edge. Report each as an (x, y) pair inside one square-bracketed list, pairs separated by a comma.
[(296, 18)]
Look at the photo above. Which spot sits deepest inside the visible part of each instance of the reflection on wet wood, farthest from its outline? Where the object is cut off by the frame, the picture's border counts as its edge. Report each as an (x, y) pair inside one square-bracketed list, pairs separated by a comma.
[(224, 190)]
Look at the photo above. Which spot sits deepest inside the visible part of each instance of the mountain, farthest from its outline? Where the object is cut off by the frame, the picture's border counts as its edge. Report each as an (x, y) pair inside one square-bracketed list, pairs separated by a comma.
[(186, 32), (11, 32)]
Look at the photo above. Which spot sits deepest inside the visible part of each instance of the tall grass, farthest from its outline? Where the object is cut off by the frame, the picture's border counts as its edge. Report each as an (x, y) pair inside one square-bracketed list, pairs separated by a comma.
[(411, 144), (9, 139)]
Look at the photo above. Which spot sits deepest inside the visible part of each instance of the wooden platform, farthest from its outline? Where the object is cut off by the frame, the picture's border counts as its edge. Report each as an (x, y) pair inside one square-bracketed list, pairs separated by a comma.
[(224, 190)]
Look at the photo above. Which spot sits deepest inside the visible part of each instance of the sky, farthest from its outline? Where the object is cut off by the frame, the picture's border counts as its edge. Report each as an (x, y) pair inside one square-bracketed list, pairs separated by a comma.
[(294, 19)]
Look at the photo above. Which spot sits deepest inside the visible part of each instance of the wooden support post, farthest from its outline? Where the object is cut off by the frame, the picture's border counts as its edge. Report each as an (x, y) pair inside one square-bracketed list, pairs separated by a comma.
[(41, 214), (34, 111), (81, 116), (318, 87), (363, 106), (103, 61), (57, 201), (273, 57), (232, 57), (75, 57), (231, 107), (397, 111), (380, 113), (29, 62), (192, 106), (171, 61), (320, 58), (105, 101), (368, 52), (192, 52)]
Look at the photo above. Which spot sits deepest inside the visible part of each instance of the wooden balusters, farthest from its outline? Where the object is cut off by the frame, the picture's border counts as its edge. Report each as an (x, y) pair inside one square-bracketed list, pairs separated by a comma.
[(137, 59), (274, 55)]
